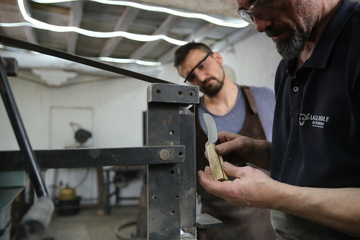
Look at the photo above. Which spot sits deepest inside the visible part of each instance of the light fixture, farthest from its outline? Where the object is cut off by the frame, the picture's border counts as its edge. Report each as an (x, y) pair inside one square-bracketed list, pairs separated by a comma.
[(136, 37), (233, 23), (139, 62), (238, 23)]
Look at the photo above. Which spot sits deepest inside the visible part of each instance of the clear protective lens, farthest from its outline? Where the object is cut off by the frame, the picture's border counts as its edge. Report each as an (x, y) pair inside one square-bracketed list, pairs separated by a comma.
[(262, 9), (246, 16)]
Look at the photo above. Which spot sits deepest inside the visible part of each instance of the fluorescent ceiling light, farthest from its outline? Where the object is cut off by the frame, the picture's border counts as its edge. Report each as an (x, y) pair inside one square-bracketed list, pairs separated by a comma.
[(139, 62), (136, 37), (238, 23), (234, 23)]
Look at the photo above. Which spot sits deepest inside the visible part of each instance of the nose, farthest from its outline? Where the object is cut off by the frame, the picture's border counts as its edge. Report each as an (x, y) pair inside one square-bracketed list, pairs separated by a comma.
[(261, 24), (200, 76)]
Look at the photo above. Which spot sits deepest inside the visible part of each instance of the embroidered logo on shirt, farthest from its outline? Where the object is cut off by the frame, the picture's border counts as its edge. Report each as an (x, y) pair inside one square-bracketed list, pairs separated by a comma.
[(316, 120)]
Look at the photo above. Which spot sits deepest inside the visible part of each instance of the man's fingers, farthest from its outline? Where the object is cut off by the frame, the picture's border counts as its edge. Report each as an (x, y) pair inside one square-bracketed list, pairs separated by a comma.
[(224, 136), (231, 170), (207, 181), (227, 143), (207, 170), (204, 177)]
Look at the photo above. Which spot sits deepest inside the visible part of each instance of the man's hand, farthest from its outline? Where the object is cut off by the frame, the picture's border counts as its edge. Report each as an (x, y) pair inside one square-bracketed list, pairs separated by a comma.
[(239, 149), (250, 187), (336, 208)]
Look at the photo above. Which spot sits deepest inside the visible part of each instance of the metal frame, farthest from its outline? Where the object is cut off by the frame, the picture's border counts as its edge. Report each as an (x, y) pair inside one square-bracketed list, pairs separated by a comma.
[(171, 187), (169, 156)]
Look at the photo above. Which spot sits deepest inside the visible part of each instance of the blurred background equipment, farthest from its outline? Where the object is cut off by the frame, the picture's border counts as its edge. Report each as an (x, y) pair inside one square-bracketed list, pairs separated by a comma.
[(81, 135), (67, 202)]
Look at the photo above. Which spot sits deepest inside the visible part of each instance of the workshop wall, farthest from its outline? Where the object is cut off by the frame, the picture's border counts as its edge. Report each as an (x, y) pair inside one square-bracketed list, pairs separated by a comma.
[(112, 110), (115, 108), (254, 61)]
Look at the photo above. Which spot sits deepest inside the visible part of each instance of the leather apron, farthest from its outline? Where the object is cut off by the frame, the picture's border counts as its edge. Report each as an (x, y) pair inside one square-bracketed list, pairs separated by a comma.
[(239, 223)]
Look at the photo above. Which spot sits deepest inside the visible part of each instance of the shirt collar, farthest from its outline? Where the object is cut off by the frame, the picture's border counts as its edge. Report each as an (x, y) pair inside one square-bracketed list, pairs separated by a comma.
[(332, 31)]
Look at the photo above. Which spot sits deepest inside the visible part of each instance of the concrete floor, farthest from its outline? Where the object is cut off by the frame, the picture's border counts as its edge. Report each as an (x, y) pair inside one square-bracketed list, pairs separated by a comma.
[(92, 224)]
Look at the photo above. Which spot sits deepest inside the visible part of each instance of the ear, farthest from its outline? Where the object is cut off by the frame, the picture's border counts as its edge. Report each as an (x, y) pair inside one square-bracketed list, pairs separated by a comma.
[(218, 57)]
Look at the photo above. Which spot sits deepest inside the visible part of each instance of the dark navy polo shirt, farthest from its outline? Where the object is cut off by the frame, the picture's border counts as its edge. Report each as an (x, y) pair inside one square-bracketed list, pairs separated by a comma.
[(316, 132)]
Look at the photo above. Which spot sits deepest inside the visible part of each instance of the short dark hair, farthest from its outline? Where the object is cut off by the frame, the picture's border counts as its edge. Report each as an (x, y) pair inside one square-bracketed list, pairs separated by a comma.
[(182, 52)]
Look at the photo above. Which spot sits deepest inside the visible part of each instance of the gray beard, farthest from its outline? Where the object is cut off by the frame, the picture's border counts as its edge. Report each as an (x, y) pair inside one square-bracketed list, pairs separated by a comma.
[(292, 47)]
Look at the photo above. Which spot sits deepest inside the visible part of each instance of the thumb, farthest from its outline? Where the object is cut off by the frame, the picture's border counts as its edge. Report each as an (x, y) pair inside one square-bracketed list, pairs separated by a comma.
[(229, 169)]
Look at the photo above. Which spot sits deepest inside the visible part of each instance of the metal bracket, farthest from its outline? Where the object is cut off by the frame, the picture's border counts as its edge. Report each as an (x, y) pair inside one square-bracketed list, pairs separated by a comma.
[(94, 157)]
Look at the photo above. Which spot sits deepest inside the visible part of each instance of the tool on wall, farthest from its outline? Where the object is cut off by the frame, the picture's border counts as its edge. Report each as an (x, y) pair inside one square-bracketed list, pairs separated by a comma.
[(81, 135)]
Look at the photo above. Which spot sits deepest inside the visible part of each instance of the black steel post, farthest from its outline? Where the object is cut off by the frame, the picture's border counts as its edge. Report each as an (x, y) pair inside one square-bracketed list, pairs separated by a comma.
[(20, 133)]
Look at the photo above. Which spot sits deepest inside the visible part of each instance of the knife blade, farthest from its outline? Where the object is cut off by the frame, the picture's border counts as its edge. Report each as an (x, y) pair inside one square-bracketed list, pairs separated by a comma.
[(215, 160)]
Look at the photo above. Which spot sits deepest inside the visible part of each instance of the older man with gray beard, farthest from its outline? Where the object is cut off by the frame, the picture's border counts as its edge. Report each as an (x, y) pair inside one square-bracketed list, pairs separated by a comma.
[(314, 188)]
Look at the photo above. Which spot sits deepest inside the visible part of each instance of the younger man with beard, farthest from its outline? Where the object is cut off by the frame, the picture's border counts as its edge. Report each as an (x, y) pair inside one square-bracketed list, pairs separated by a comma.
[(237, 109)]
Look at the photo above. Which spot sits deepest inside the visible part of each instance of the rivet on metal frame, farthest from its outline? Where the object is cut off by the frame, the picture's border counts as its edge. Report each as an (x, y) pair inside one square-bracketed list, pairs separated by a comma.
[(164, 155)]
